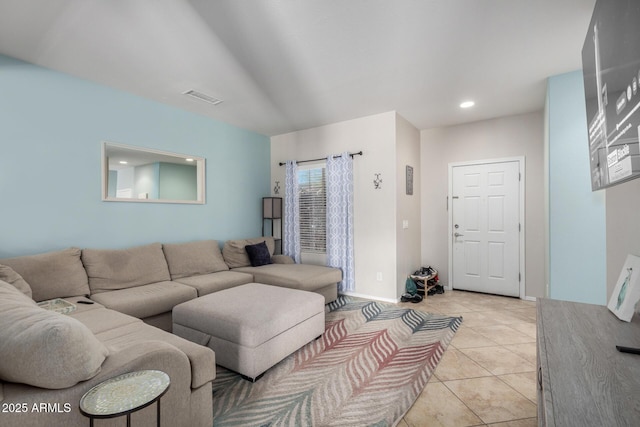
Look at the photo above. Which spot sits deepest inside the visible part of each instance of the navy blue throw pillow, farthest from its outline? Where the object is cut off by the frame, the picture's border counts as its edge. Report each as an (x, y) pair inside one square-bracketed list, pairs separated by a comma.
[(258, 254)]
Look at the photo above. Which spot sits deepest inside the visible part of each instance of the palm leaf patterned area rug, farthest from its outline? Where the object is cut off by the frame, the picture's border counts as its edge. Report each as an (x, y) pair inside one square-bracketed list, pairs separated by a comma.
[(368, 368)]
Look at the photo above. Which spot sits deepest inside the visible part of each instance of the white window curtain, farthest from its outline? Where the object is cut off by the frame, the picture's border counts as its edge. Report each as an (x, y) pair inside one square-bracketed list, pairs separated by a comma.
[(340, 218), (291, 242)]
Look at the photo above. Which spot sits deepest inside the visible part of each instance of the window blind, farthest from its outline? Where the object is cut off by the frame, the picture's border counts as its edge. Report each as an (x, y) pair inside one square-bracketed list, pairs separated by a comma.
[(313, 210)]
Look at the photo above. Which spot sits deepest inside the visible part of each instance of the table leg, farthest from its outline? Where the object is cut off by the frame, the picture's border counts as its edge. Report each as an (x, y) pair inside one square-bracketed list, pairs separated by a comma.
[(158, 417), (128, 420)]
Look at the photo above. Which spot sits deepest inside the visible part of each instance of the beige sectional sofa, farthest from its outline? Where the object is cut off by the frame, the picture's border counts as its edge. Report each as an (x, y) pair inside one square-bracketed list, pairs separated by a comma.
[(48, 360), (282, 272)]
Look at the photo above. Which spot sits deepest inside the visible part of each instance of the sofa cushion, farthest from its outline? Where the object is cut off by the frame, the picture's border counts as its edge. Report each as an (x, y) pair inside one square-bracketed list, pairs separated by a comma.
[(52, 275), (43, 348), (113, 269), (214, 282), (234, 252), (102, 319), (193, 258), (282, 259), (147, 300), (258, 254), (8, 274), (305, 277)]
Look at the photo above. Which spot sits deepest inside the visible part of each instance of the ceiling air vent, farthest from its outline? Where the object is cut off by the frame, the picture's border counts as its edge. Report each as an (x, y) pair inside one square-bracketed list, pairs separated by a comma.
[(203, 97)]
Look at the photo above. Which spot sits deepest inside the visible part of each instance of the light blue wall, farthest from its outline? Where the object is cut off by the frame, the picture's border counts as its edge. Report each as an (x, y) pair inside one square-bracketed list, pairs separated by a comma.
[(51, 129), (577, 226)]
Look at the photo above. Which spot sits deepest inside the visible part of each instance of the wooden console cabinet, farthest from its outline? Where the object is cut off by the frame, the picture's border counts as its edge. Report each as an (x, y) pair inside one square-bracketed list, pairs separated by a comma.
[(582, 379)]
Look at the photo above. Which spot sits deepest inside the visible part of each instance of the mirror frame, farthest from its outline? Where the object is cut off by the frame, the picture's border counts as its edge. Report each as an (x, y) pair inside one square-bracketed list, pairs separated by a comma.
[(200, 175)]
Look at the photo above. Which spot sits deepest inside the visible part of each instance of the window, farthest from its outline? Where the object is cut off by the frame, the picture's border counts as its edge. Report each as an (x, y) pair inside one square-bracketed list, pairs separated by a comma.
[(313, 211)]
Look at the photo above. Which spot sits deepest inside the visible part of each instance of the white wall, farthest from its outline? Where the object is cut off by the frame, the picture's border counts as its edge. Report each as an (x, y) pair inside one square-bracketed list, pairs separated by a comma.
[(374, 210), (408, 206), (520, 135)]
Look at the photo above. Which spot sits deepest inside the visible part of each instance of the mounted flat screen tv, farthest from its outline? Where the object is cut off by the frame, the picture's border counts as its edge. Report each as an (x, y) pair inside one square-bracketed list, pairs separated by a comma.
[(611, 70)]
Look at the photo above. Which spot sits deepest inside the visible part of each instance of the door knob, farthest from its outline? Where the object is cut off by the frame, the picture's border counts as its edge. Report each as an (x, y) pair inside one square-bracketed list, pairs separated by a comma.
[(457, 234)]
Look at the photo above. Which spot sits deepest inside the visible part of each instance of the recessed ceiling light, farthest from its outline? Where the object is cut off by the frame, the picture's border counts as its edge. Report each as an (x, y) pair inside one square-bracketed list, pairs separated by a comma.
[(189, 160), (467, 104), (123, 162)]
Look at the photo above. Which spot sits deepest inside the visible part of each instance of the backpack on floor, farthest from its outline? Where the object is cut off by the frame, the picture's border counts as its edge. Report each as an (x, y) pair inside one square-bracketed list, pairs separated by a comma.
[(410, 286)]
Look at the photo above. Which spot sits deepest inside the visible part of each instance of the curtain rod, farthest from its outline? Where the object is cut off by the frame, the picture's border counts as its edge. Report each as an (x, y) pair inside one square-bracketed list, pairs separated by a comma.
[(359, 153)]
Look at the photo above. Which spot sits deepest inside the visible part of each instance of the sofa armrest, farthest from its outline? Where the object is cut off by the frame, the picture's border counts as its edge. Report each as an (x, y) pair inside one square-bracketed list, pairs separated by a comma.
[(62, 404), (146, 355), (282, 259)]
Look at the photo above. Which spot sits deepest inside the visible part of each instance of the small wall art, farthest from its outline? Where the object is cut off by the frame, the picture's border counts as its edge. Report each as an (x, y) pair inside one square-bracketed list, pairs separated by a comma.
[(377, 183), (409, 180), (627, 291)]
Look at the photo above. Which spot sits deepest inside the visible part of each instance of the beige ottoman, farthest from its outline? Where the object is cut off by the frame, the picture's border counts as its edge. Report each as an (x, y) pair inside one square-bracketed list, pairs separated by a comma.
[(251, 327)]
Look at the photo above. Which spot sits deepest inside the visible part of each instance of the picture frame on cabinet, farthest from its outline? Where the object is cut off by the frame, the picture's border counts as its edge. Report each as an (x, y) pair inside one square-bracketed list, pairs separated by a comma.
[(627, 291)]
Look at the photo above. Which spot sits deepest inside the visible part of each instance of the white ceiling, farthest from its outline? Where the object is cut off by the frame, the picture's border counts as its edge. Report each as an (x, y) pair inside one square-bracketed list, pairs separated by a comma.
[(285, 65)]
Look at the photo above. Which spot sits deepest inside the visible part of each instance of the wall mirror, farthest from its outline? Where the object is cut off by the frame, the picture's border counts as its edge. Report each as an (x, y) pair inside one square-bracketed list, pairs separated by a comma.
[(135, 174)]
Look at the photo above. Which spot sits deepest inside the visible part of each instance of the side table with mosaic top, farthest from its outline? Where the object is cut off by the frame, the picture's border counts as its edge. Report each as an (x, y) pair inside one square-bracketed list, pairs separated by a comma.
[(125, 394)]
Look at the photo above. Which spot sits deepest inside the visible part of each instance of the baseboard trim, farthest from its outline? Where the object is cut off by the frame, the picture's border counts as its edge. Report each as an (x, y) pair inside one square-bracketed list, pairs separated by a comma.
[(375, 298), (448, 287)]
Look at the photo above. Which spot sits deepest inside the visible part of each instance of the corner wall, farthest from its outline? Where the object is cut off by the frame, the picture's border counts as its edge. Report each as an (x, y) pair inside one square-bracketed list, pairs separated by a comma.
[(408, 206), (598, 231), (388, 143), (50, 168), (577, 224)]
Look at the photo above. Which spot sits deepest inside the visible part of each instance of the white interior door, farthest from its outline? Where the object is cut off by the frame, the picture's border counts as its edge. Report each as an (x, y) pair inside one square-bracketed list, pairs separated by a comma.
[(485, 227)]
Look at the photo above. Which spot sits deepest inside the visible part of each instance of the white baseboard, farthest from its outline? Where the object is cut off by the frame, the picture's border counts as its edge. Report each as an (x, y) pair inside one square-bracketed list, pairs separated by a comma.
[(525, 298), (391, 300), (375, 298)]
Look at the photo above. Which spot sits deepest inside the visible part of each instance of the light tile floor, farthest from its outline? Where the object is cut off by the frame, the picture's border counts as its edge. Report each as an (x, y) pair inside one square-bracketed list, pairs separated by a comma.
[(487, 375)]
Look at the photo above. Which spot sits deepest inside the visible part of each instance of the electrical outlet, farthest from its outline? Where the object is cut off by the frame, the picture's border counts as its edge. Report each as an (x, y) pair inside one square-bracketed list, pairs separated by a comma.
[(546, 290), (379, 276)]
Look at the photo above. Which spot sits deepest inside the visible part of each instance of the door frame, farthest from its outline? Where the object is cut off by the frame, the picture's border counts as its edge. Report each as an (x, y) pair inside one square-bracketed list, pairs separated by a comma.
[(521, 168)]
